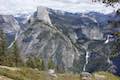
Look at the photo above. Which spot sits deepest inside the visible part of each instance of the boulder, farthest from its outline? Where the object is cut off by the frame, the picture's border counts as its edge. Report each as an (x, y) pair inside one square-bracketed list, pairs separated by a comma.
[(86, 76)]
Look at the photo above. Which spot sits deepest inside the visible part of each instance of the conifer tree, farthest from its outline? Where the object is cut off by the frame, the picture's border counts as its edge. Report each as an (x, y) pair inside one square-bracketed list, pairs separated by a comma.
[(16, 55), (3, 47)]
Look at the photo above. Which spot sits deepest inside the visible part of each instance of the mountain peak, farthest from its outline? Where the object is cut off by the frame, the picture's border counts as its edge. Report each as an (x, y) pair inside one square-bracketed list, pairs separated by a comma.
[(43, 14)]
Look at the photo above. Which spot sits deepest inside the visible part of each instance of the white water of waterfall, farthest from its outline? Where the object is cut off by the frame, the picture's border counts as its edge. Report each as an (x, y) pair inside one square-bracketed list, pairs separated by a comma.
[(107, 40), (16, 36), (87, 60), (108, 60)]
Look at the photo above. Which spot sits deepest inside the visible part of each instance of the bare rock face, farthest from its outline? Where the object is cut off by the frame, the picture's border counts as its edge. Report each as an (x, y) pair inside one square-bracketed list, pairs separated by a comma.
[(9, 24), (86, 76), (44, 41), (42, 14), (93, 33)]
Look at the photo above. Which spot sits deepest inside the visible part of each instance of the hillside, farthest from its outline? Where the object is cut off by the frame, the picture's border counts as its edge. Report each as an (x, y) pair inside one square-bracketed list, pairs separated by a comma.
[(11, 73)]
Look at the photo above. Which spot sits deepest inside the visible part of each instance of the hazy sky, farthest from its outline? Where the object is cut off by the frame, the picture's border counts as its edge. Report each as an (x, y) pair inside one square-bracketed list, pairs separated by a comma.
[(18, 6)]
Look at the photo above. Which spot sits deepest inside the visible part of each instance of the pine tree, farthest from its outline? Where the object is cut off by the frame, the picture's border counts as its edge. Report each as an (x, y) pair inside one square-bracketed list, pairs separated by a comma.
[(8, 57), (2, 42), (51, 64), (116, 45), (16, 55), (35, 62), (3, 47)]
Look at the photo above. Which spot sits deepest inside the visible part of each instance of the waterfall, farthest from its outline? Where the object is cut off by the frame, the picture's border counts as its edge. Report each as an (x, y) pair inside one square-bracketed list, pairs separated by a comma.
[(107, 40), (109, 61), (87, 60), (16, 36)]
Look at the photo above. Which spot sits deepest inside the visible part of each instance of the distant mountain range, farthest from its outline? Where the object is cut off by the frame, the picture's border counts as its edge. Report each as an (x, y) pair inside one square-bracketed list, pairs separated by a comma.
[(76, 6)]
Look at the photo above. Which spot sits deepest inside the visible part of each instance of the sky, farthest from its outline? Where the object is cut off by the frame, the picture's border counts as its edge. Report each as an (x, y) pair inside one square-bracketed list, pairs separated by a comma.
[(26, 6)]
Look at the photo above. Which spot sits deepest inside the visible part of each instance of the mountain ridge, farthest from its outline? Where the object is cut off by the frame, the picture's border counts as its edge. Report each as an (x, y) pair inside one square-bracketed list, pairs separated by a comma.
[(29, 6)]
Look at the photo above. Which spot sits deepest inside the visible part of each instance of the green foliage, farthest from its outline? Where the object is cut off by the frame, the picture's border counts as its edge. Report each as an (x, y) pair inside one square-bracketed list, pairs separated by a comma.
[(8, 57), (117, 34), (2, 43), (35, 62), (116, 45), (3, 47), (51, 64), (13, 55)]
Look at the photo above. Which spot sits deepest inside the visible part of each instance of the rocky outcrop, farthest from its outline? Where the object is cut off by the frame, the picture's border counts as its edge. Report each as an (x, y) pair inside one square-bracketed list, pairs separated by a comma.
[(42, 14), (86, 76), (93, 33), (9, 24)]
